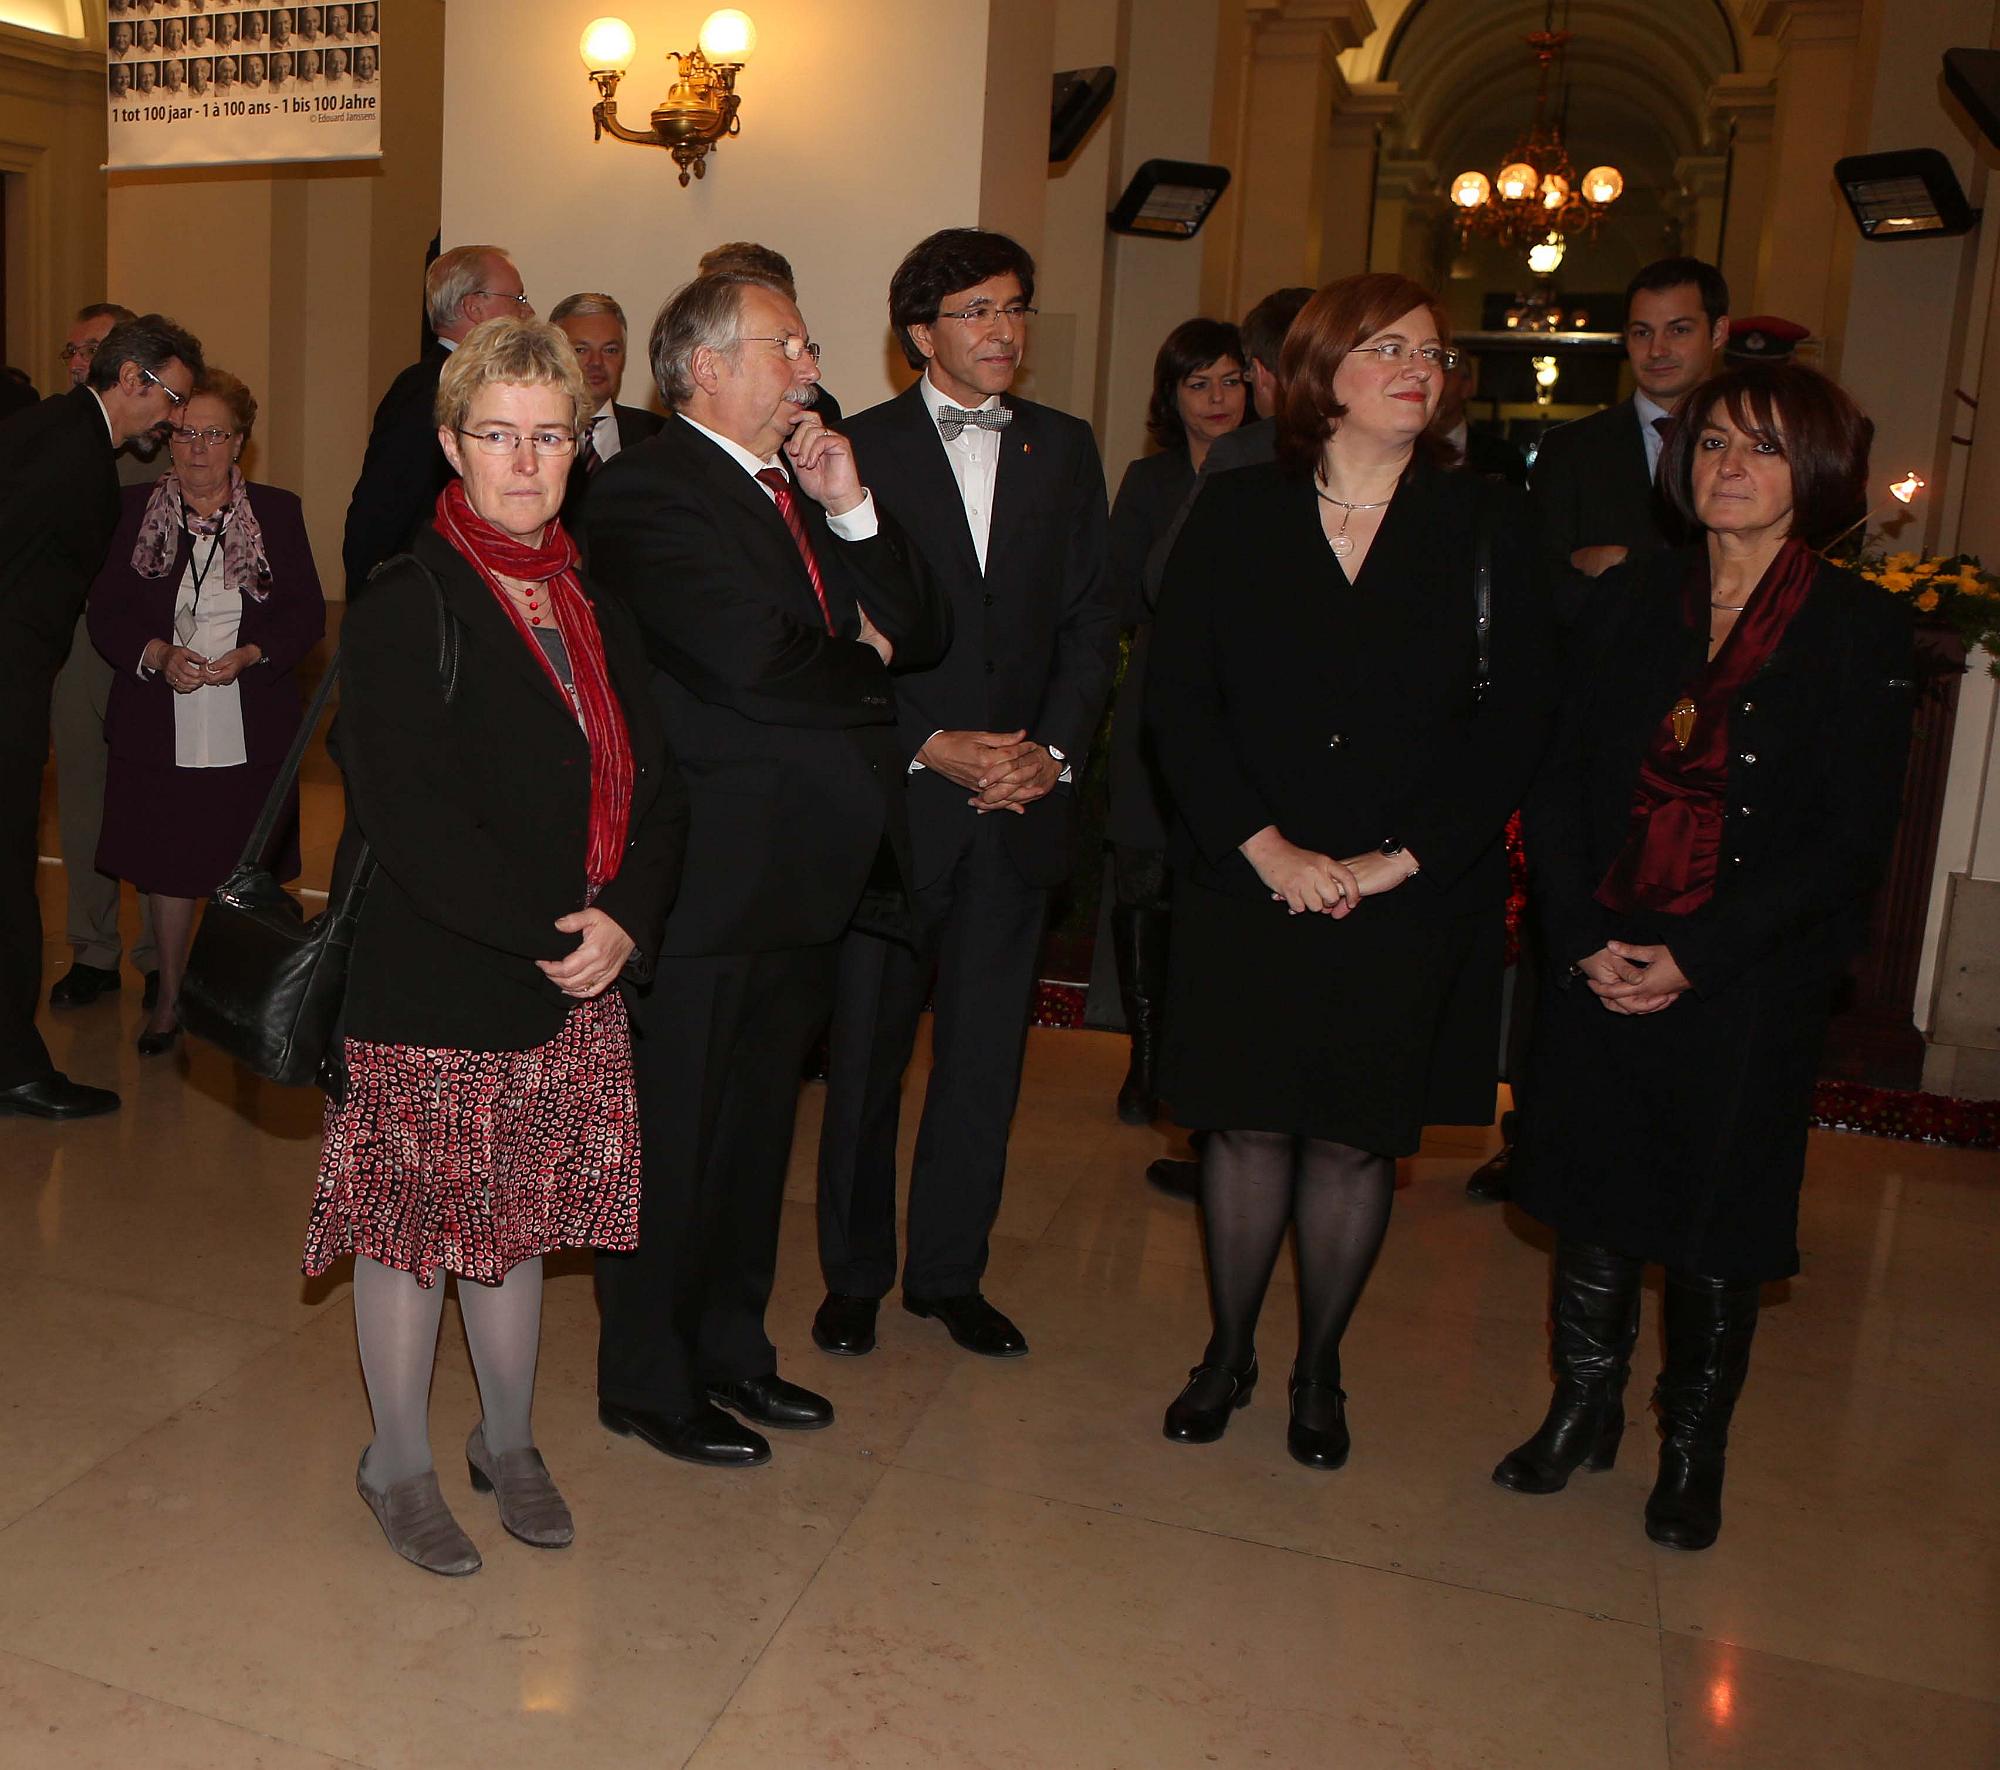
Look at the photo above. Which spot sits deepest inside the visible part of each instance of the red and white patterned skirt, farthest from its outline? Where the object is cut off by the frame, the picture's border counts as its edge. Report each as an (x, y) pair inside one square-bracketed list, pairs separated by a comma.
[(472, 1161)]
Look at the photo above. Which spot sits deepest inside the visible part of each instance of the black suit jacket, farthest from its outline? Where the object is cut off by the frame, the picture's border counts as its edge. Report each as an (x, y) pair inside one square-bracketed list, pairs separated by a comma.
[(785, 732), (478, 813), (1817, 746), (1278, 693), (1591, 488), (401, 474), (58, 508), (1036, 633), (635, 425), (1154, 491)]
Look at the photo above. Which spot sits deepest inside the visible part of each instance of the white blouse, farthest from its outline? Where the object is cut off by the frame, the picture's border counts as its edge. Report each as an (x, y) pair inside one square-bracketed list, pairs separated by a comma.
[(208, 616)]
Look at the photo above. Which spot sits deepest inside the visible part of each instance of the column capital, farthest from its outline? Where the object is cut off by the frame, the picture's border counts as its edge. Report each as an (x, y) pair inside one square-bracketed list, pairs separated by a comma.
[(1408, 180), (1741, 107), (1287, 29), (1698, 176), (1361, 111)]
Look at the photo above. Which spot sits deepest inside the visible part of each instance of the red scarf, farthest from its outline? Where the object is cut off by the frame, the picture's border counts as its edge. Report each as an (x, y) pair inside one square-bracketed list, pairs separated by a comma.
[(494, 553), (1674, 840)]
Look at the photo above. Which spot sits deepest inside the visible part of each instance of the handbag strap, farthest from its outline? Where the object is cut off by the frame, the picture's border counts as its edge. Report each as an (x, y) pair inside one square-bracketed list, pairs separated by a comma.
[(288, 772)]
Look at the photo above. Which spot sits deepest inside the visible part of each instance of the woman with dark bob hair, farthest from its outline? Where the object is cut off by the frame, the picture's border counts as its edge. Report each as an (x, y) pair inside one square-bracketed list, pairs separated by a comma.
[(1198, 395), (1717, 808), (1349, 690)]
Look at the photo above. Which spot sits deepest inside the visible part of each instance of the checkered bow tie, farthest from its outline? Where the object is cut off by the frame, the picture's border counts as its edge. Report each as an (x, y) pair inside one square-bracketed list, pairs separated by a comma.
[(954, 419)]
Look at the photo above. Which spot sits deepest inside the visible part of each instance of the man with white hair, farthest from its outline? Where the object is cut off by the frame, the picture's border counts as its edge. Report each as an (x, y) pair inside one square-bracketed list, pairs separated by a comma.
[(595, 324), (404, 469)]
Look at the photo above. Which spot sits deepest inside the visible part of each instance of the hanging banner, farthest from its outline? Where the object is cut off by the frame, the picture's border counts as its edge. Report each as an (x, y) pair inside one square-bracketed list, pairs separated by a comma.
[(209, 83)]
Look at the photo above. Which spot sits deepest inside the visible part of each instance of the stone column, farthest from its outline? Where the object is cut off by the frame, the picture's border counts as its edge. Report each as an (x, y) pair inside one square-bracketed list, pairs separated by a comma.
[(1741, 108), (1701, 184), (1353, 156)]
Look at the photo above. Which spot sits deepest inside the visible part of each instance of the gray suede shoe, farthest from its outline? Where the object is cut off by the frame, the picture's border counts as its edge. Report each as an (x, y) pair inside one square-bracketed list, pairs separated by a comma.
[(419, 1525), (530, 1507)]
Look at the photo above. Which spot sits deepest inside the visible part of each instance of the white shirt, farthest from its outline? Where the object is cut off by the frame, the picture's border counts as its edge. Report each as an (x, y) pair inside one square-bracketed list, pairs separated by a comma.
[(103, 413), (604, 432), (859, 524), (208, 724), (974, 455), (1649, 409)]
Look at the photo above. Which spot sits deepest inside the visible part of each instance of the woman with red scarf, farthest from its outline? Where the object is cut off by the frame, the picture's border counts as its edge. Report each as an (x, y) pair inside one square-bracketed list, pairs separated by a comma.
[(1704, 841), (527, 826)]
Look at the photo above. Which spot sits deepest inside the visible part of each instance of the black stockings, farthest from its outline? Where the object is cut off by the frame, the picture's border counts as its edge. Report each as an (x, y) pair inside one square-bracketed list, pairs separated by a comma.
[(1254, 1184)]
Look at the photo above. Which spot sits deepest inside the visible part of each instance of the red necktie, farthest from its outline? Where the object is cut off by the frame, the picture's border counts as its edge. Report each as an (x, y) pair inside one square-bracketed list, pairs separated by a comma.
[(788, 508)]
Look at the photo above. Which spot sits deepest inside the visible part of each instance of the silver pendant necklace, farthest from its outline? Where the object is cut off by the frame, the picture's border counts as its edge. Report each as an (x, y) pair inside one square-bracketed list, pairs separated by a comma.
[(1342, 542)]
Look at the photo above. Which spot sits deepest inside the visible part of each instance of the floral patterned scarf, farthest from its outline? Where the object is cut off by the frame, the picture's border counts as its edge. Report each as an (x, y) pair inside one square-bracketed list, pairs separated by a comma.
[(245, 567)]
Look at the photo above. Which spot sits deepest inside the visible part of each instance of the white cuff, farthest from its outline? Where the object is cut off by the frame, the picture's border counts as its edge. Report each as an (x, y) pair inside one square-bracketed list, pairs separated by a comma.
[(915, 765), (859, 524)]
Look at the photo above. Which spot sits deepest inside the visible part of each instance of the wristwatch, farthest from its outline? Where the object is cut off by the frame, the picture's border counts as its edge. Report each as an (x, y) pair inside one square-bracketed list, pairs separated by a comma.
[(1394, 845)]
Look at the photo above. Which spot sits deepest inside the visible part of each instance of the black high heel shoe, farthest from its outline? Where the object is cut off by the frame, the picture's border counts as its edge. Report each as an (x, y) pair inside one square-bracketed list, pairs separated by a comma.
[(154, 1044), (1317, 1436), (1199, 1414)]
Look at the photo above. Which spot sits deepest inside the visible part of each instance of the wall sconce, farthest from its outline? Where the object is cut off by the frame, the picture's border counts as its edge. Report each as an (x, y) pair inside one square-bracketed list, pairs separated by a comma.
[(700, 106)]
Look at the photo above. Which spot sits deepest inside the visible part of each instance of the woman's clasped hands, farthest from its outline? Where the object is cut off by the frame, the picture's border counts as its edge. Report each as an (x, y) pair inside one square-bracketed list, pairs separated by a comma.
[(1629, 978), (1307, 882)]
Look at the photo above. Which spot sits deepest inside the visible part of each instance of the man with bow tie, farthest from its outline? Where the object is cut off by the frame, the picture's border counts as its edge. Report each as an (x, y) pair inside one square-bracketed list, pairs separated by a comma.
[(1005, 499), (595, 324)]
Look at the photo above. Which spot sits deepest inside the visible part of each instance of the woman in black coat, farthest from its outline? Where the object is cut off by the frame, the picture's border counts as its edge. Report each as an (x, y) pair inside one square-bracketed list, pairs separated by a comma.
[(527, 826), (207, 604), (1198, 395), (1341, 783), (1714, 816)]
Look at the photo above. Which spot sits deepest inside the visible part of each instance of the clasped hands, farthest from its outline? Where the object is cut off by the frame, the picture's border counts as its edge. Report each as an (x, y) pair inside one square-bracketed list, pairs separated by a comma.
[(600, 955), (186, 670), (1632, 979), (1006, 770), (1306, 882)]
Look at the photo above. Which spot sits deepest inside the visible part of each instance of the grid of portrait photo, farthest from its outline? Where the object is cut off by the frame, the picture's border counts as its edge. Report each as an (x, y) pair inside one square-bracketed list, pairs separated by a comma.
[(197, 48)]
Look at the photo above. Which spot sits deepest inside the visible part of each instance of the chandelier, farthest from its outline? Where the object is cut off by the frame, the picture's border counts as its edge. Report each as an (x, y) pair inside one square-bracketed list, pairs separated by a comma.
[(1536, 199)]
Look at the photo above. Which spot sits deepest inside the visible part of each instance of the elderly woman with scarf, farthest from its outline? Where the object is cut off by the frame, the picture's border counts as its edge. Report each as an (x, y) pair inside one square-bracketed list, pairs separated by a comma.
[(527, 826), (207, 604)]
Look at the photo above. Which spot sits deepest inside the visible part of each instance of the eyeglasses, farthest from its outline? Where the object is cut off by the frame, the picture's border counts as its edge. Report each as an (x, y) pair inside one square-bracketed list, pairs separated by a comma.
[(214, 436), (983, 313), (791, 344), (504, 295), (508, 442), (75, 353), (176, 400), (1394, 350)]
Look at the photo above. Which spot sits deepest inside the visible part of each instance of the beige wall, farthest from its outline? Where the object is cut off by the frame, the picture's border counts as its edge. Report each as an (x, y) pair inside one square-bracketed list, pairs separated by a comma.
[(842, 192), (304, 280)]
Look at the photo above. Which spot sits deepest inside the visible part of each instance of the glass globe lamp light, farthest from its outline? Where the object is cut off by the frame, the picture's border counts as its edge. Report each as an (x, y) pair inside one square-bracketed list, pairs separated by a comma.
[(1545, 256), (1469, 190), (1555, 191), (1517, 181), (606, 46), (1603, 184), (728, 38)]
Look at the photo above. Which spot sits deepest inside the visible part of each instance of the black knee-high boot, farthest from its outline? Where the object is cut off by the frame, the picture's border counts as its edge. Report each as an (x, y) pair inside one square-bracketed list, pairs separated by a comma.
[(1710, 1323), (1139, 937), (1595, 1308)]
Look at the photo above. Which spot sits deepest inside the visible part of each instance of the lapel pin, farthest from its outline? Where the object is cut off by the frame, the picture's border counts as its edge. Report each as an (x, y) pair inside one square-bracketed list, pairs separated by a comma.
[(1027, 448)]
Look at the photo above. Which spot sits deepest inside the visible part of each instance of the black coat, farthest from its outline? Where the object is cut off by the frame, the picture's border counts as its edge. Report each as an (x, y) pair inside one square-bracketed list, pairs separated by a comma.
[(402, 472), (478, 813), (1591, 488), (784, 731), (1149, 497), (1680, 1136), (1036, 636), (1345, 714), (635, 425), (58, 508)]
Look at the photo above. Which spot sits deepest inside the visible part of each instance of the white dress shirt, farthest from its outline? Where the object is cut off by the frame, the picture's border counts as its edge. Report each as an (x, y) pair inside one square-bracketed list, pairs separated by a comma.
[(603, 428), (1649, 409), (974, 455), (859, 524)]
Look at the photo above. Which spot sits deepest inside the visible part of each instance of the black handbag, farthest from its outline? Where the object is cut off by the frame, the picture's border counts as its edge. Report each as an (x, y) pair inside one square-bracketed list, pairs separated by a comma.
[(264, 984)]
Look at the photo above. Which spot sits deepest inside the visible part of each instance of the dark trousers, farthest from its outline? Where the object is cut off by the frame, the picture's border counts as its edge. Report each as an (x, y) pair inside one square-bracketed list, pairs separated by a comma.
[(718, 1047), (24, 748), (980, 928)]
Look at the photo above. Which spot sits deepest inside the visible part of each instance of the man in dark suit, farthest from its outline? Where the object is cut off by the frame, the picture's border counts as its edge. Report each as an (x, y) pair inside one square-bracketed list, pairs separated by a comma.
[(58, 509), (595, 324), (772, 595), (1006, 501), (1596, 506), (403, 470), (1592, 485)]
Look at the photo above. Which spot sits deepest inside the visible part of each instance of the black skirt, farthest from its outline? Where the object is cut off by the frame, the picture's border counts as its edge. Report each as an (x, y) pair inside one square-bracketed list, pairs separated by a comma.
[(1678, 1136), (1360, 1031), (180, 831)]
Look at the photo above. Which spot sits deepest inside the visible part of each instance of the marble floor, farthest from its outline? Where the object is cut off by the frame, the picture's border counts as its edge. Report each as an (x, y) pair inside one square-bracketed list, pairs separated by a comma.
[(992, 1565)]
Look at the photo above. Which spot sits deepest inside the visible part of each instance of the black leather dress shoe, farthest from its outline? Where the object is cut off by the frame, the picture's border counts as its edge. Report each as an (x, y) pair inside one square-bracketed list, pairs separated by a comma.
[(771, 1401), (846, 1325), (707, 1435), (1491, 1183), (973, 1322), (1177, 1179), (81, 985), (149, 997), (1317, 1436), (1199, 1414), (57, 1097), (154, 1044)]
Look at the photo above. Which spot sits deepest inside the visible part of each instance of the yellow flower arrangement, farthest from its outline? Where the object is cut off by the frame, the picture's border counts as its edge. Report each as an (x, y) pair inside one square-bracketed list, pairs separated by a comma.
[(1959, 589)]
